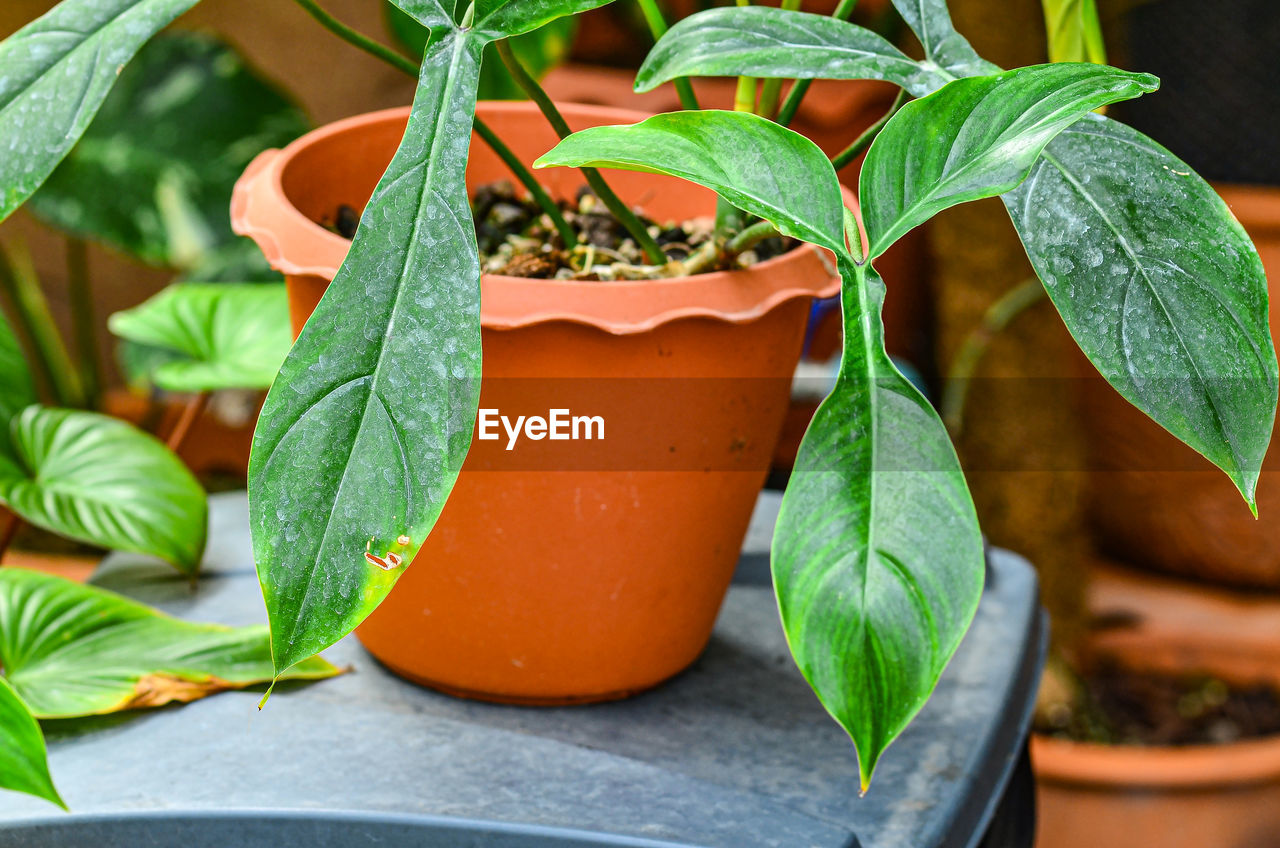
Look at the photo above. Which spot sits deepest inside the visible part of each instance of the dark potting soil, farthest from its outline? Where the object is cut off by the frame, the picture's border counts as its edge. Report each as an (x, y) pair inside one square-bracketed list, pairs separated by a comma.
[(1123, 707), (518, 240)]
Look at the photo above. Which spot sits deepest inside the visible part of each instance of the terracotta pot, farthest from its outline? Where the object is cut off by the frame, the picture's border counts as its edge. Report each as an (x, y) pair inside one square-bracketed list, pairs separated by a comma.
[(570, 571), (1157, 503), (1100, 796), (219, 439)]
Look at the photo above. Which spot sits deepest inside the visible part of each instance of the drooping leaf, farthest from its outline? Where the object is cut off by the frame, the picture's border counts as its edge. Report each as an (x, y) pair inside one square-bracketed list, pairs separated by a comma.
[(930, 20), (17, 388), (1075, 33), (977, 138), (24, 764), (227, 335), (755, 164), (98, 480), (152, 176), (873, 603), (763, 41), (55, 73), (364, 431), (74, 650), (1159, 285)]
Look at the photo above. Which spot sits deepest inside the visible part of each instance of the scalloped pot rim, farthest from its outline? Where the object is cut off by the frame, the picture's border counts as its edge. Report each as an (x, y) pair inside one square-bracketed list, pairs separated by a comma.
[(297, 246)]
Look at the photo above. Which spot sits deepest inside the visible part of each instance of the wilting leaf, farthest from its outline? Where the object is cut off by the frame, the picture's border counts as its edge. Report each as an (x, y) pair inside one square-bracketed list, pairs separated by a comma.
[(55, 73), (931, 22), (225, 335), (153, 174), (74, 650), (1159, 285), (763, 41), (1075, 33), (24, 764), (101, 481), (750, 161), (977, 138)]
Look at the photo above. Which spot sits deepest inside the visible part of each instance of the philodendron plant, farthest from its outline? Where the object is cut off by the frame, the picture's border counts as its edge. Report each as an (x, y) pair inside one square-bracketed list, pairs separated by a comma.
[(877, 558)]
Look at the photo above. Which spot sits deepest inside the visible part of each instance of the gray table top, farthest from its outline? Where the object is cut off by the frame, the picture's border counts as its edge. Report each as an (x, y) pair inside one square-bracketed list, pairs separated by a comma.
[(734, 752)]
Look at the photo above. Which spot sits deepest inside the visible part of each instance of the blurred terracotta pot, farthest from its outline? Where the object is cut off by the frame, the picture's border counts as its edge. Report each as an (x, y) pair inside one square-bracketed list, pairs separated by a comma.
[(219, 439), (1157, 503), (1100, 796), (571, 570)]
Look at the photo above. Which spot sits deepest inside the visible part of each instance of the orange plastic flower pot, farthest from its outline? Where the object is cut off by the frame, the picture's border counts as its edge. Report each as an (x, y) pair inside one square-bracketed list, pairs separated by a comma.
[(569, 570)]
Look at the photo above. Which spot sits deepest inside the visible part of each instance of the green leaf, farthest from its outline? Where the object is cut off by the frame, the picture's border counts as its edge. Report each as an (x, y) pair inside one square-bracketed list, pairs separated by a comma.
[(55, 73), (931, 22), (977, 138), (24, 764), (1075, 33), (753, 163), (153, 174), (1159, 285), (99, 480), (763, 41), (364, 431), (504, 18), (228, 335), (17, 387), (73, 650), (877, 557)]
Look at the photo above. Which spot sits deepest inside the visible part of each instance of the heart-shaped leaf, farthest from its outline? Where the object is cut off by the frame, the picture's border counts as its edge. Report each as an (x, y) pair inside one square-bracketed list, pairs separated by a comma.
[(930, 20), (225, 335), (152, 175), (363, 433), (1159, 285), (763, 41), (24, 764), (877, 557), (54, 74), (17, 389), (753, 163), (977, 138), (1075, 33), (74, 650), (99, 480)]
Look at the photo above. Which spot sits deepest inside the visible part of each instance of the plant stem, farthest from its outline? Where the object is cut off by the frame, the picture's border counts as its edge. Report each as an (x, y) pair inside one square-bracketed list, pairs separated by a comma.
[(771, 89), (80, 295), (190, 413), (619, 209), (19, 280), (997, 317), (789, 106), (11, 528), (658, 26), (409, 67), (749, 238), (862, 142)]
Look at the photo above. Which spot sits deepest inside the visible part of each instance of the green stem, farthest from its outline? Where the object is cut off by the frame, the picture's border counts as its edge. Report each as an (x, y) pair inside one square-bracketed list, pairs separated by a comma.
[(625, 216), (19, 280), (997, 317), (658, 26), (409, 67), (787, 113), (771, 89), (750, 237), (80, 296), (862, 142)]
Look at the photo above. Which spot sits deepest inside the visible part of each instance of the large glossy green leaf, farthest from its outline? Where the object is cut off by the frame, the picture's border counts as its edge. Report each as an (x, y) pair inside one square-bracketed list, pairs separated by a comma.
[(763, 41), (977, 138), (496, 19), (153, 174), (225, 335), (101, 481), (55, 73), (24, 764), (74, 650), (17, 388), (877, 556), (755, 164), (365, 428), (930, 20), (1075, 33), (1159, 285)]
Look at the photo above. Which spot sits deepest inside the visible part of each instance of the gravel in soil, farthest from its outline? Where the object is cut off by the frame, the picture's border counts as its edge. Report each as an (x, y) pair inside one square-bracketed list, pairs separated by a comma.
[(517, 239)]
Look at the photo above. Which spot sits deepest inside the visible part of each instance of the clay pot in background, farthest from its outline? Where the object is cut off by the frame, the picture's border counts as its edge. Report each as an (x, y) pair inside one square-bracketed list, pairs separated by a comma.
[(1157, 503), (218, 441), (570, 571)]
